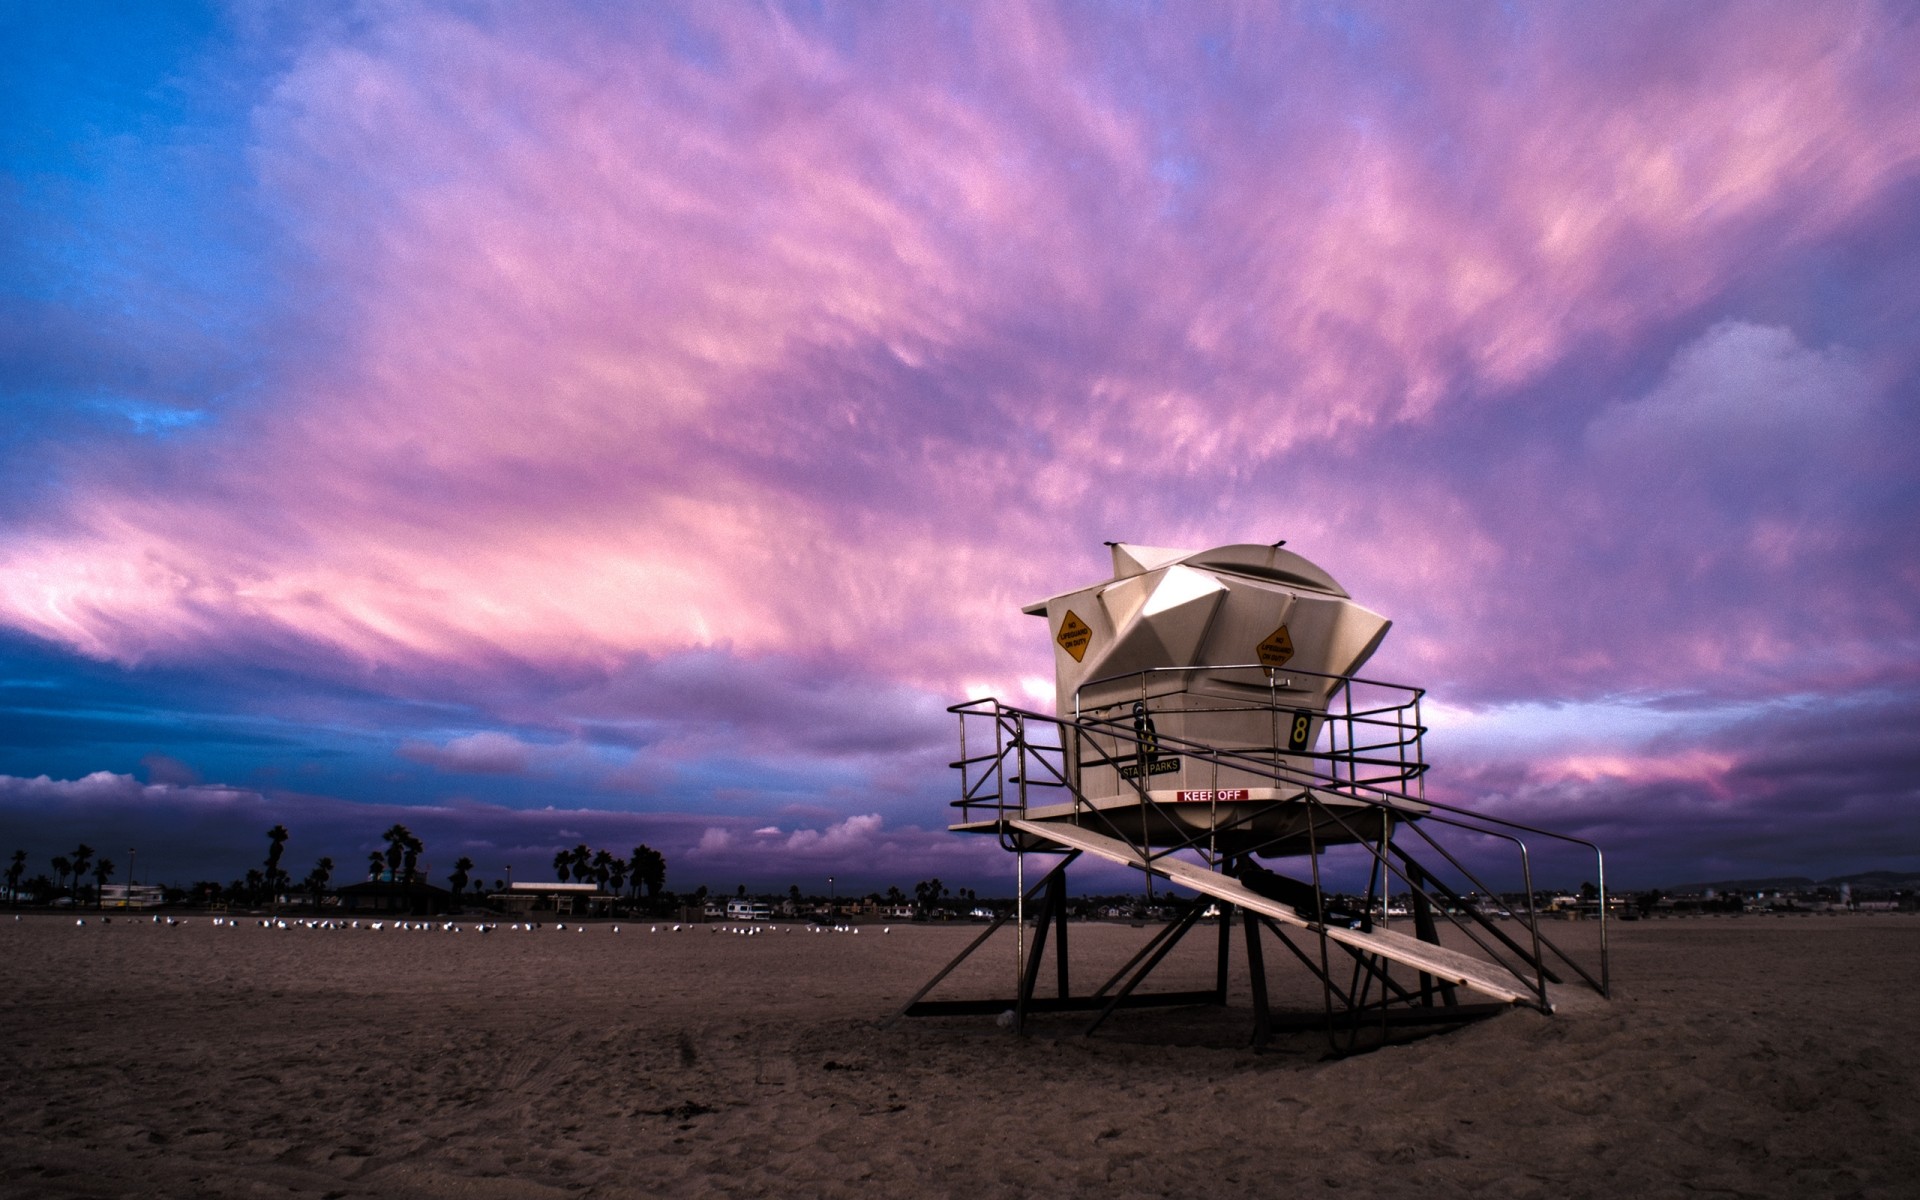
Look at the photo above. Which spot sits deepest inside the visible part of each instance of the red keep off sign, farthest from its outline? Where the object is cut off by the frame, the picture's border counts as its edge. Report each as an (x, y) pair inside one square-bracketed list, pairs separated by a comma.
[(1207, 795)]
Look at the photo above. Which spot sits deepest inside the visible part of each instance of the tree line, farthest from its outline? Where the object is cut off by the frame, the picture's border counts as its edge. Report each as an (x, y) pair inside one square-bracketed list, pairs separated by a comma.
[(645, 869), (397, 862), (639, 875), (70, 873)]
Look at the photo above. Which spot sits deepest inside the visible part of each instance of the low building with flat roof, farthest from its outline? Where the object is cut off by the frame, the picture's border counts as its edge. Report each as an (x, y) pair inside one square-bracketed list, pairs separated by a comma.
[(561, 899), (418, 899)]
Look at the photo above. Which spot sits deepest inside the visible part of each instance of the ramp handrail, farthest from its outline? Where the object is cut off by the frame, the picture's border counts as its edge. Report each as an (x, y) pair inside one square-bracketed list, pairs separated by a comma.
[(988, 784)]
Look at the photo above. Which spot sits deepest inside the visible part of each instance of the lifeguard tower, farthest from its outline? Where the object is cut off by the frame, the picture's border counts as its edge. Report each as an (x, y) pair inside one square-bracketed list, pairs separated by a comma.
[(1210, 726)]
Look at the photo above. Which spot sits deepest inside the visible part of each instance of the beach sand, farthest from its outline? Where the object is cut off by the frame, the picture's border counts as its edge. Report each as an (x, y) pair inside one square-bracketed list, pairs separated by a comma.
[(1754, 1056)]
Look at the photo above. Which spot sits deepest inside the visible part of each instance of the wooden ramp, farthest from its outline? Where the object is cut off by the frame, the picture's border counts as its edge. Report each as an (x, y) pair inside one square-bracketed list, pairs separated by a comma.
[(1438, 961)]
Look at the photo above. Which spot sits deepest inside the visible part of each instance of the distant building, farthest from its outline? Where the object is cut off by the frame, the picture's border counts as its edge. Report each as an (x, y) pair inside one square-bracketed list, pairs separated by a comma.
[(131, 895), (561, 899), (418, 899)]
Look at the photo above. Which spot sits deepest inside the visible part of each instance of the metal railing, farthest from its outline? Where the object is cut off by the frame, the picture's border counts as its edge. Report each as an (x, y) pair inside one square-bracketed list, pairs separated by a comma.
[(1370, 775)]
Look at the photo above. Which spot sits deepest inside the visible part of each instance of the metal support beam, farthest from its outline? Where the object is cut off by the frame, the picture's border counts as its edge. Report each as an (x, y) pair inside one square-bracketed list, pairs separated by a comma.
[(1257, 973), (1051, 906), (1423, 928), (1226, 945), (1057, 893), (1169, 938)]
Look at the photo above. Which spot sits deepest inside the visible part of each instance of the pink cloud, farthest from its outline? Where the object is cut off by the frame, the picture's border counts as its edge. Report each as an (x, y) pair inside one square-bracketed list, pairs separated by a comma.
[(846, 350), (862, 839), (484, 753)]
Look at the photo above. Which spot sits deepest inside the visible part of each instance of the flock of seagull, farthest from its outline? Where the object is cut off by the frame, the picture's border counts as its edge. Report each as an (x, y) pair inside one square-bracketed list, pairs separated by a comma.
[(484, 926)]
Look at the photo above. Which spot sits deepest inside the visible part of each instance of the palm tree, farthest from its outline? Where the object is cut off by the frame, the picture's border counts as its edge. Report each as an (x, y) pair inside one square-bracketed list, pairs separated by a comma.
[(563, 864), (255, 881), (602, 868), (276, 843), (102, 871), (617, 875), (61, 867), (376, 863), (14, 873), (649, 869), (582, 862), (928, 893), (458, 879), (318, 878), (403, 852), (81, 857)]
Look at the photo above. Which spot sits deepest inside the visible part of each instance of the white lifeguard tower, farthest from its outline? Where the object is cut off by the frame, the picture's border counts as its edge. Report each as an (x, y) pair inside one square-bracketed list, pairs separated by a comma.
[(1209, 715)]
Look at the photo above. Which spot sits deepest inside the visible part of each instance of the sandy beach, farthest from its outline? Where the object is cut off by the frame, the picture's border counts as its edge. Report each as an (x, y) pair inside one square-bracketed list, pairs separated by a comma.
[(1755, 1056)]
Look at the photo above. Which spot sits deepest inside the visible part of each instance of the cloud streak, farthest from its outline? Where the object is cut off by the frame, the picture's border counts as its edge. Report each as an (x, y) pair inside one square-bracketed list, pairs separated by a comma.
[(688, 387)]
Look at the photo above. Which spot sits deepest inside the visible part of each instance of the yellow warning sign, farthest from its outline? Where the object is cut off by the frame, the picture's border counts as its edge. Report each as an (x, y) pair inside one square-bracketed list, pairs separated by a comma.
[(1276, 650), (1074, 636)]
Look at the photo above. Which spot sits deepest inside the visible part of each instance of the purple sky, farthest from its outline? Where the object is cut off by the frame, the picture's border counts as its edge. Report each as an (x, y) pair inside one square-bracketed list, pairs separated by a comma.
[(638, 423)]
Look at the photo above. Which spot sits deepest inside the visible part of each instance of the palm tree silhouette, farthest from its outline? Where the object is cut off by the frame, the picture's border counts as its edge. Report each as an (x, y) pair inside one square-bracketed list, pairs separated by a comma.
[(318, 878), (649, 869), (14, 872), (403, 852), (60, 869), (458, 879), (276, 843), (102, 871), (80, 859), (376, 863), (563, 864)]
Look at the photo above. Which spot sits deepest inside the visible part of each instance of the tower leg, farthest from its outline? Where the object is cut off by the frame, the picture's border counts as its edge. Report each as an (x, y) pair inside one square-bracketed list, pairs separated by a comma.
[(1226, 945), (1057, 896), (1426, 931), (1257, 973), (1053, 909)]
